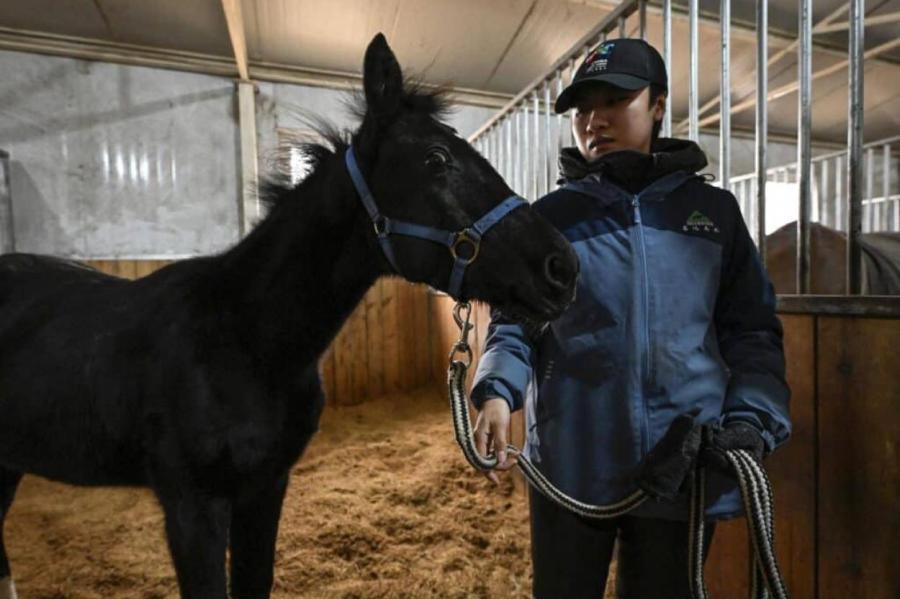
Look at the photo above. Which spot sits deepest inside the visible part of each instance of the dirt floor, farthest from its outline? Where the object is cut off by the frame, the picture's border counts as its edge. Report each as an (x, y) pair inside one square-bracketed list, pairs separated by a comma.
[(382, 505)]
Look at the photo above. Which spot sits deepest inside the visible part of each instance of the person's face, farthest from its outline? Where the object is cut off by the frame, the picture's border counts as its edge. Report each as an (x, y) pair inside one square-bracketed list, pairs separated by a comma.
[(609, 118)]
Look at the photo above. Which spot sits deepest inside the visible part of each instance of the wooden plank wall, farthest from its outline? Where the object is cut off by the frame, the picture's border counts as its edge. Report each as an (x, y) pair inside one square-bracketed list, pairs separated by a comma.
[(837, 481), (384, 347)]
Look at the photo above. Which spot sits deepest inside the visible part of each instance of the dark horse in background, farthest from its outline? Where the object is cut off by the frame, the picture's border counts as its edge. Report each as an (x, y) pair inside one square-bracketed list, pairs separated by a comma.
[(828, 259), (200, 381)]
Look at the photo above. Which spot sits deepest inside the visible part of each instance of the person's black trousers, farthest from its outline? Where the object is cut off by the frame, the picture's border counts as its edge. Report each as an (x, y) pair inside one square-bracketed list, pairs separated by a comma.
[(571, 555)]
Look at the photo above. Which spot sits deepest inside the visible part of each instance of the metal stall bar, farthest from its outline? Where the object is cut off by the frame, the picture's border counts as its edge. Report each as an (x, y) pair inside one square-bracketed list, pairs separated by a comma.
[(518, 166), (642, 19), (510, 174), (725, 93), (762, 122), (622, 27), (854, 143), (826, 213), (888, 205), (694, 78), (609, 22), (559, 117), (839, 221), (869, 197), (667, 57), (536, 175), (549, 147), (804, 123)]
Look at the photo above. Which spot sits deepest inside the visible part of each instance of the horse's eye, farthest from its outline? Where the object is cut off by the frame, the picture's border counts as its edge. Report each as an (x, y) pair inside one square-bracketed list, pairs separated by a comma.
[(437, 158)]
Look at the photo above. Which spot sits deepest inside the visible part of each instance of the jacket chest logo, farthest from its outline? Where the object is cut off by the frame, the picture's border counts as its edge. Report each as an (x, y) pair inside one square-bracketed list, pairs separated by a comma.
[(698, 222)]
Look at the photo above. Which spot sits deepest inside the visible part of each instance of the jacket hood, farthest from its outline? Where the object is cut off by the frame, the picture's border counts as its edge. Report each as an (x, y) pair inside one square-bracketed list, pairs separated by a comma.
[(632, 169)]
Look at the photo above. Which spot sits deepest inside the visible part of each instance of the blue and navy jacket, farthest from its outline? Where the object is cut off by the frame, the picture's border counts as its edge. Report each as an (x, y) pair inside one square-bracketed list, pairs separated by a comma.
[(674, 314)]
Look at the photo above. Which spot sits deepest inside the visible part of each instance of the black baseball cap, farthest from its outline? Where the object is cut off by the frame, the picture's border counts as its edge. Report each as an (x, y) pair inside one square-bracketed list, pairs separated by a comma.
[(628, 63)]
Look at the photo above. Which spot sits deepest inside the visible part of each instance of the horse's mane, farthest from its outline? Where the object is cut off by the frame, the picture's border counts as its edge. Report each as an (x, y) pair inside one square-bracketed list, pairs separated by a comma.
[(276, 186)]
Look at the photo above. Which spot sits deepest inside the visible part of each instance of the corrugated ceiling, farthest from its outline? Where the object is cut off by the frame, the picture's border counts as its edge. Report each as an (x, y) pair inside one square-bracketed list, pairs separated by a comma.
[(495, 46)]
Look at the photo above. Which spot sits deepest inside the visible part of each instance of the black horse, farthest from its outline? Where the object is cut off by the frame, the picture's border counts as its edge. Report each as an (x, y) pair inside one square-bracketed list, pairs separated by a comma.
[(200, 380)]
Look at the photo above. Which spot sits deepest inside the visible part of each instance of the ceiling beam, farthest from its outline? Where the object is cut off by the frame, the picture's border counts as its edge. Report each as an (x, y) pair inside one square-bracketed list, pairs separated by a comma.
[(194, 62), (714, 101), (235, 20), (877, 20)]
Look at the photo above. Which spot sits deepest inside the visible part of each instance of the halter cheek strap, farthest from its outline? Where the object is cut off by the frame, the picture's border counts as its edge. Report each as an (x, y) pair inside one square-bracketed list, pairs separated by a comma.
[(463, 245)]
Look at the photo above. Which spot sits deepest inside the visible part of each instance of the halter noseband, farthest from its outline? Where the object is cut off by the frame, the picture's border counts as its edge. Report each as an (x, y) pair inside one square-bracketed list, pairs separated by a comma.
[(454, 241)]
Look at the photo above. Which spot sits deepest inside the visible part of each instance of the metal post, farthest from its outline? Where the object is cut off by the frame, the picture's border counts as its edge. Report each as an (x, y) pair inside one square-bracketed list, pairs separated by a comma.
[(559, 117), (621, 26), (804, 122), (536, 150), (667, 57), (725, 94), (854, 143), (520, 176), (762, 122), (548, 145), (826, 214), (642, 19), (693, 103), (509, 153), (888, 206), (869, 198), (839, 179)]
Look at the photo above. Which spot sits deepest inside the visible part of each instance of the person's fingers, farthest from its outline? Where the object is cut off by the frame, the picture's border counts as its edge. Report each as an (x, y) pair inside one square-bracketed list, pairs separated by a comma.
[(498, 433), (481, 434)]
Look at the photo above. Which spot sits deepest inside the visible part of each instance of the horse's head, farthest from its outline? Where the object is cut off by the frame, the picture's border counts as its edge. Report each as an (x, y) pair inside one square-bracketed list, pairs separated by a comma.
[(419, 171)]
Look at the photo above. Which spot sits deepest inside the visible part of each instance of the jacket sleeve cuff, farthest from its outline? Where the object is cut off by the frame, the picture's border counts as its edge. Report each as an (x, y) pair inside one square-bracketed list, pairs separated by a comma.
[(751, 419), (487, 389)]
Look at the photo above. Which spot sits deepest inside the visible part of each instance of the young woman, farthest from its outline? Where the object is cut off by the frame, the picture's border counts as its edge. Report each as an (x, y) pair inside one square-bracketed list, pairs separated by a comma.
[(674, 316)]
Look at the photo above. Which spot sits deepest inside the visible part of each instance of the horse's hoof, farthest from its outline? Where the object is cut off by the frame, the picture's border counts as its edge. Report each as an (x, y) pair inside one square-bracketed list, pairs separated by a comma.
[(7, 588)]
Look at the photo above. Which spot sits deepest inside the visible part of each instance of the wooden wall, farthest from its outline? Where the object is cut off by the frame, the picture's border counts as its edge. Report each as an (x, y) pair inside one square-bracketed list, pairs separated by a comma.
[(384, 347)]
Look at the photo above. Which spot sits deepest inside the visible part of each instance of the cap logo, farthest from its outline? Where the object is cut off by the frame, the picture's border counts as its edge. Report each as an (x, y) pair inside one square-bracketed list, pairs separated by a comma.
[(606, 49), (595, 67)]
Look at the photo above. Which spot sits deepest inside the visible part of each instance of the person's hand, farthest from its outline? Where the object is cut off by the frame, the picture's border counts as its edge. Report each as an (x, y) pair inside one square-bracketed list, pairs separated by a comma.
[(735, 435), (490, 432)]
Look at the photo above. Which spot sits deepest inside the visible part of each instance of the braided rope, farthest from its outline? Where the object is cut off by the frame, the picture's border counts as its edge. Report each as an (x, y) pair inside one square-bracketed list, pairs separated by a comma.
[(756, 493), (695, 537), (459, 406)]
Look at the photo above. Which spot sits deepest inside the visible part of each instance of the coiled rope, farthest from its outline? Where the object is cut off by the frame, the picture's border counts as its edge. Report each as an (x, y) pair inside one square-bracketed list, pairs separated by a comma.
[(756, 491)]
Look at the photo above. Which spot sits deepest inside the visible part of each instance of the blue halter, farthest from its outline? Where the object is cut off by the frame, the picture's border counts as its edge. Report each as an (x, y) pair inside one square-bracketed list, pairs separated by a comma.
[(384, 227)]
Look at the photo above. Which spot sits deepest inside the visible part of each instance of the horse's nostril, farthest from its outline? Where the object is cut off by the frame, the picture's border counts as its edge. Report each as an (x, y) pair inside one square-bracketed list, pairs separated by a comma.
[(556, 271)]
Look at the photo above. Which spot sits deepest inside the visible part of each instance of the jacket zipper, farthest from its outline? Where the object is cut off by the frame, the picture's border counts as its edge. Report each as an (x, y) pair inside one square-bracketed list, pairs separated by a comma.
[(646, 353)]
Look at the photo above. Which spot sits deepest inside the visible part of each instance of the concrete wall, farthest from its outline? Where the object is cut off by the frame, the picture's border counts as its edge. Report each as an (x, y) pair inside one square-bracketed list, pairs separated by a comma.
[(112, 160), (115, 161)]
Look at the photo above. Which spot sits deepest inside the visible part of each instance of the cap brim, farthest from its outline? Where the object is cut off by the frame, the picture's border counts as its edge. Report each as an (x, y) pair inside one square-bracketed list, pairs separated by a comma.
[(629, 82)]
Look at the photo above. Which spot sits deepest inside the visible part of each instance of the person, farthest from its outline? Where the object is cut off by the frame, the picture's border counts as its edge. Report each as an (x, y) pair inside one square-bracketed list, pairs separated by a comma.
[(674, 316)]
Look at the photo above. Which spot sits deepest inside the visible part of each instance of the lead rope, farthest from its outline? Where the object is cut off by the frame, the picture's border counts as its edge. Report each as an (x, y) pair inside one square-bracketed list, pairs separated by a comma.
[(756, 491)]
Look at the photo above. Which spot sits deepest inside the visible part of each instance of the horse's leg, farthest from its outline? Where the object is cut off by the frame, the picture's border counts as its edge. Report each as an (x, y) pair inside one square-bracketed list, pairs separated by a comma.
[(8, 482), (197, 532), (254, 529)]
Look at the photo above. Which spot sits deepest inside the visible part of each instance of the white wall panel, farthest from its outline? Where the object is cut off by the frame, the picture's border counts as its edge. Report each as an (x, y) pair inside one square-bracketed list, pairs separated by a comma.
[(114, 161)]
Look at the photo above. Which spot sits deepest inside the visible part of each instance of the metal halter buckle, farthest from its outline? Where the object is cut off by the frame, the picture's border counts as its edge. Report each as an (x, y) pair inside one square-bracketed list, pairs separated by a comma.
[(380, 224), (465, 236)]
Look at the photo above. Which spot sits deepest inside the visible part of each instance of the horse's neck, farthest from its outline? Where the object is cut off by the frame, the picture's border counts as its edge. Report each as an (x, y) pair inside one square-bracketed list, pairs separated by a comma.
[(300, 273)]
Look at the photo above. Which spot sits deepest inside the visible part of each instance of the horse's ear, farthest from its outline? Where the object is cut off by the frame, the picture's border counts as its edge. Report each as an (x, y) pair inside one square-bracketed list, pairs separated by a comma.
[(382, 79)]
